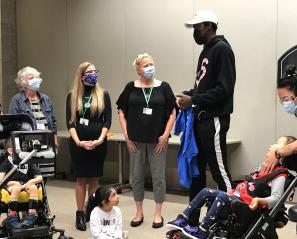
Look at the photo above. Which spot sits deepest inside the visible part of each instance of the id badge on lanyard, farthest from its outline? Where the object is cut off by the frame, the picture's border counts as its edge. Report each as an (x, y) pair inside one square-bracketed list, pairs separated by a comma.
[(40, 126), (82, 120), (146, 110)]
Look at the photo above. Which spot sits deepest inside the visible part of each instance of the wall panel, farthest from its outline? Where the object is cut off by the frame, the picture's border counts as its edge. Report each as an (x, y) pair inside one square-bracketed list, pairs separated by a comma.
[(55, 36)]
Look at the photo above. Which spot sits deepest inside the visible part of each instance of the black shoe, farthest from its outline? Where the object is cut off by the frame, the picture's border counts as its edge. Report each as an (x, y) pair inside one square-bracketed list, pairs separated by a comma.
[(80, 222), (158, 224), (12, 222), (29, 221), (136, 223)]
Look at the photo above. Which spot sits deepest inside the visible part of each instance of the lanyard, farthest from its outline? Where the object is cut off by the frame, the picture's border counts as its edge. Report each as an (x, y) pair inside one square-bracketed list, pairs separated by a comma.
[(147, 97), (86, 106)]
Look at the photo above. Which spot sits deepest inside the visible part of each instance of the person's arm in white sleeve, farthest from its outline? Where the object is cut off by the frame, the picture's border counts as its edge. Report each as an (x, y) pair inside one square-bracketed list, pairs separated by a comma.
[(119, 226), (277, 190)]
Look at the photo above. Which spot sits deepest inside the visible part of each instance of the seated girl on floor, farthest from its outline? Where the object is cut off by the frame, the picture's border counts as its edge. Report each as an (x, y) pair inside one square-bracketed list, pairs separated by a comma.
[(248, 192), (106, 217)]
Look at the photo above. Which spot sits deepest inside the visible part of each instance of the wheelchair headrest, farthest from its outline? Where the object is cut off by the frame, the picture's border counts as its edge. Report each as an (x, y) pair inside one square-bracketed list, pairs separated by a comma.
[(25, 142), (293, 213), (9, 123)]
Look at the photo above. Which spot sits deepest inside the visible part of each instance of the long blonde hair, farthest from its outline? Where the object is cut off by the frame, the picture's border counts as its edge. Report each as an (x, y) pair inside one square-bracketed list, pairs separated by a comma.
[(77, 91)]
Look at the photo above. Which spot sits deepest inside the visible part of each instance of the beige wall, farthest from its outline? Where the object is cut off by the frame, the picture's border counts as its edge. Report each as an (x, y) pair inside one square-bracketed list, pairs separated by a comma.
[(56, 35)]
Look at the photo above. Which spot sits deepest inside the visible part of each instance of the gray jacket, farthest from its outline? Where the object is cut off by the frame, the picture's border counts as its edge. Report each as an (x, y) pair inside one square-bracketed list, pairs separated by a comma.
[(20, 104)]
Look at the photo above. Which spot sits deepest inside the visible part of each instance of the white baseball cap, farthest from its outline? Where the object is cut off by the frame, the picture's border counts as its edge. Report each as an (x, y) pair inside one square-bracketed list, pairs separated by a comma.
[(202, 16)]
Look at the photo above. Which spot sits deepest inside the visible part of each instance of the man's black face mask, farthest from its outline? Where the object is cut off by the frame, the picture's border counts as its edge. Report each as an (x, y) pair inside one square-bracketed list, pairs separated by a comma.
[(198, 37)]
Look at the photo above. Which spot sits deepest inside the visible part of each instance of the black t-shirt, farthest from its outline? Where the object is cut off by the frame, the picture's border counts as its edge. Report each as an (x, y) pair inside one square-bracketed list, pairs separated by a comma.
[(23, 173), (146, 127)]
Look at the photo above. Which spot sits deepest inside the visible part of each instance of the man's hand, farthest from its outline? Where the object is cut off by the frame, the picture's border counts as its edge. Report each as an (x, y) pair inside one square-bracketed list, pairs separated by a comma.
[(184, 101)]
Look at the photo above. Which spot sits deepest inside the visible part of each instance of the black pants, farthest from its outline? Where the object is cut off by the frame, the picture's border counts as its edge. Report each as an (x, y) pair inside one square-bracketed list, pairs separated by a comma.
[(211, 136)]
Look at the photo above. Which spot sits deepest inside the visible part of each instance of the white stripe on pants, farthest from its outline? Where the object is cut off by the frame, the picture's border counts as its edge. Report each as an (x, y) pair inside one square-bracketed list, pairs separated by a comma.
[(219, 153)]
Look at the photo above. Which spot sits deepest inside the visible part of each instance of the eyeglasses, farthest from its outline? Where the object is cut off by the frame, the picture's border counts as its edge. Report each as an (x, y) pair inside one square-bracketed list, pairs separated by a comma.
[(90, 72), (288, 98)]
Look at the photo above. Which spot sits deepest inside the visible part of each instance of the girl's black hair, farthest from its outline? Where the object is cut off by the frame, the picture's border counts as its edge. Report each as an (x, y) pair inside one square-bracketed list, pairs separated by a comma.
[(99, 198), (102, 195), (289, 79)]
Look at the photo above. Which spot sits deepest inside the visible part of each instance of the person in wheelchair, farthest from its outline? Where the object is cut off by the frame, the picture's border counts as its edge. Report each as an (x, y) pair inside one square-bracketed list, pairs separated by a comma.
[(26, 179), (260, 190)]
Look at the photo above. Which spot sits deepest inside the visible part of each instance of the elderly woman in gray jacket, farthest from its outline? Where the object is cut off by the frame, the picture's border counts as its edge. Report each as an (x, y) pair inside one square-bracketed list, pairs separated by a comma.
[(30, 101)]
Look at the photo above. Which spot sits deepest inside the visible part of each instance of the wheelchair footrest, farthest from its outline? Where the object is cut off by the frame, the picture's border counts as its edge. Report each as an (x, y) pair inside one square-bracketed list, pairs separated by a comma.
[(34, 232)]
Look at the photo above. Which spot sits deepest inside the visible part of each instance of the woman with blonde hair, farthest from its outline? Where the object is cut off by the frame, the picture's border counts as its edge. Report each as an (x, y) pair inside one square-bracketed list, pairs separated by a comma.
[(147, 114), (88, 118)]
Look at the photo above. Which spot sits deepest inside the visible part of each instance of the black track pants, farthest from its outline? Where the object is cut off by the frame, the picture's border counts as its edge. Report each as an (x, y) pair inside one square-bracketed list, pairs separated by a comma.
[(211, 137)]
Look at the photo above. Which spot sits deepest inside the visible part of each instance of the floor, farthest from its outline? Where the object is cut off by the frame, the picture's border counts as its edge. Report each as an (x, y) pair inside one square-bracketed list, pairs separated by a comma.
[(62, 204)]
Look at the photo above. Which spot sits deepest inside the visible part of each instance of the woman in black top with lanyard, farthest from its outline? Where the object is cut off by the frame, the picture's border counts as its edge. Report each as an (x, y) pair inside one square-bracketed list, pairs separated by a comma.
[(147, 114), (88, 118)]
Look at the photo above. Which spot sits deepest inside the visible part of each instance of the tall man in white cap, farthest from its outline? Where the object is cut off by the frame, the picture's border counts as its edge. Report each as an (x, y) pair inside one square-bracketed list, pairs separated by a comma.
[(212, 101)]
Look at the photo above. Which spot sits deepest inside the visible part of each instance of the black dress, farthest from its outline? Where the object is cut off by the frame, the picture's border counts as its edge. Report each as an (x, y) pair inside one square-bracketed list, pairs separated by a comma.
[(88, 163)]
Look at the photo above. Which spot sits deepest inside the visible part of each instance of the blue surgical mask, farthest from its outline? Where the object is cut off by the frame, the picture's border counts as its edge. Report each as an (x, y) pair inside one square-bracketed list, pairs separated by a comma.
[(91, 78), (149, 72), (289, 106), (34, 84)]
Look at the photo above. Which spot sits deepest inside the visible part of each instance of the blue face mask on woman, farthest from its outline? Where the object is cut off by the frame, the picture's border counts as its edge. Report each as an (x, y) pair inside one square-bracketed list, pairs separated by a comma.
[(91, 78), (289, 107), (149, 72), (34, 84)]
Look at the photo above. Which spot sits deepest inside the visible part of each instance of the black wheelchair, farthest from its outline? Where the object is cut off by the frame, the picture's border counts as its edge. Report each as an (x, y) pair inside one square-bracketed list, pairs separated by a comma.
[(260, 225), (29, 147)]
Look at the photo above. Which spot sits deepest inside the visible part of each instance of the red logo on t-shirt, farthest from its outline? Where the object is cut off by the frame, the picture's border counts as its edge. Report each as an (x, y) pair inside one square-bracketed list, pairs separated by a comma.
[(251, 187), (202, 71)]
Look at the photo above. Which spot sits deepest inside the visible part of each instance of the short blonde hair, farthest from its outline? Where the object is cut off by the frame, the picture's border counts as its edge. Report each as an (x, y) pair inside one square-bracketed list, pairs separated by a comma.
[(23, 74), (139, 58)]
